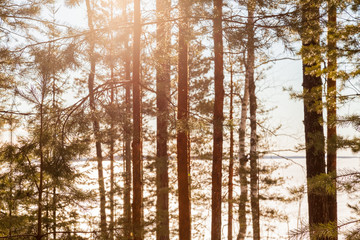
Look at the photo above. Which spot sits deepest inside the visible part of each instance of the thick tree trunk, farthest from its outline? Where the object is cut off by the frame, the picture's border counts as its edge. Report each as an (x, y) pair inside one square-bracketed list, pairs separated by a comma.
[(137, 138), (313, 116), (127, 133), (183, 139), (96, 125), (243, 171), (162, 98), (231, 160), (331, 112), (218, 124)]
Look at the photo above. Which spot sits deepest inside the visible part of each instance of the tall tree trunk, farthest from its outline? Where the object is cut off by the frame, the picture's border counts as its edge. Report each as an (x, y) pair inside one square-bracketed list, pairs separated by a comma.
[(127, 131), (254, 178), (137, 139), (112, 143), (231, 160), (243, 171), (112, 134), (313, 116), (218, 124), (183, 135), (162, 98), (41, 170), (96, 125), (331, 112)]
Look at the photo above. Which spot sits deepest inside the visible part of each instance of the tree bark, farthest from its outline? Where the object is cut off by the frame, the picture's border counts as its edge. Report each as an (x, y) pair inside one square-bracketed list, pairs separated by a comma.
[(313, 115), (243, 171), (331, 112), (137, 138), (217, 123), (231, 160), (96, 124), (254, 178), (162, 98), (183, 133)]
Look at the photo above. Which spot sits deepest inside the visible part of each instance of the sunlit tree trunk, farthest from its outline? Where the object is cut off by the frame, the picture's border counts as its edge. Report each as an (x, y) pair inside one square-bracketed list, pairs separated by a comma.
[(254, 178), (183, 139), (112, 143), (137, 138), (313, 115), (231, 160), (96, 125), (243, 171), (162, 98), (127, 133), (112, 134), (331, 111), (218, 124)]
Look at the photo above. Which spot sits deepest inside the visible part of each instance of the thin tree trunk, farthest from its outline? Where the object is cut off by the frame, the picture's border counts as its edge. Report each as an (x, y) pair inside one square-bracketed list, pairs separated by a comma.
[(218, 124), (243, 171), (137, 141), (54, 213), (41, 170), (331, 113), (96, 125), (112, 143), (231, 160), (313, 116), (183, 134), (112, 134), (127, 131), (162, 97), (254, 178)]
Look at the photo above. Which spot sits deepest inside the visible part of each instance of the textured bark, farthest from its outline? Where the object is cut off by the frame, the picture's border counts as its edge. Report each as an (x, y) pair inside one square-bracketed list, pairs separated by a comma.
[(331, 111), (137, 139), (127, 133), (254, 178), (231, 160), (218, 124), (162, 97), (313, 116), (96, 125), (183, 139), (243, 171)]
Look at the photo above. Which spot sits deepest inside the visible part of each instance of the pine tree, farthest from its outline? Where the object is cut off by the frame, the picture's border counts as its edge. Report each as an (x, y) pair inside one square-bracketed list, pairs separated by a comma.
[(162, 98), (137, 141), (313, 116), (218, 123), (183, 141), (331, 111)]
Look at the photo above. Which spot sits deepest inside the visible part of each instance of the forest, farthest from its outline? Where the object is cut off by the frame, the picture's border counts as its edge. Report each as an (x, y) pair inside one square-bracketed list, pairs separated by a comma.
[(161, 119)]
